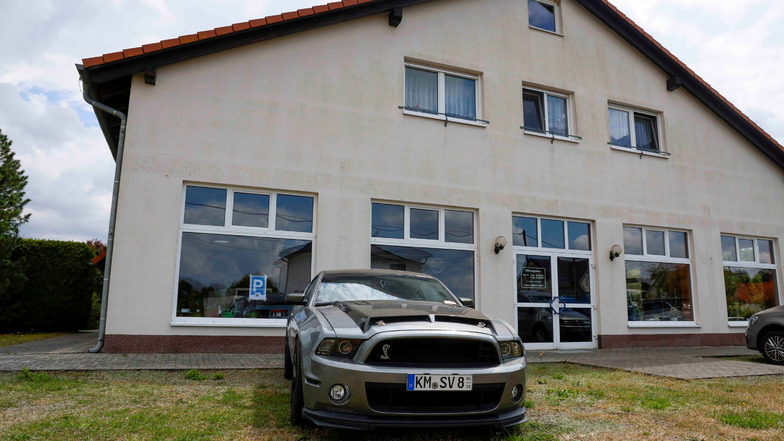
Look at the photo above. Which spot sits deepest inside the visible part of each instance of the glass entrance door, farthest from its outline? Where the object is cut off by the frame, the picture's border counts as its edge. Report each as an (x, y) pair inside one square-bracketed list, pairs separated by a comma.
[(554, 300)]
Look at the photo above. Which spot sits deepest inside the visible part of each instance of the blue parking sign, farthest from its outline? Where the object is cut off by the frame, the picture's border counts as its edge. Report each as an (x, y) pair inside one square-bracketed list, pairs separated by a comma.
[(258, 288)]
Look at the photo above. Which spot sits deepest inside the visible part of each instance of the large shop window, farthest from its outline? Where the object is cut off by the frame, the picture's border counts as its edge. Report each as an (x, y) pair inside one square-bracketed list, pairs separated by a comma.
[(435, 241), (658, 275), (441, 94), (749, 276), (233, 238)]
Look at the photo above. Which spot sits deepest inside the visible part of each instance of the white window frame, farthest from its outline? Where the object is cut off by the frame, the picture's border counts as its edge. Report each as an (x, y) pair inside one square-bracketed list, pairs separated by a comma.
[(441, 243), (557, 16), (656, 258), (752, 265), (539, 248), (232, 230), (569, 115), (632, 111), (441, 116)]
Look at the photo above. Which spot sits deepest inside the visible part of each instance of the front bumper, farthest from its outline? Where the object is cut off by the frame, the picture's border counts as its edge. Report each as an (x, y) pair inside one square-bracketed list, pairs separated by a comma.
[(367, 422), (321, 373)]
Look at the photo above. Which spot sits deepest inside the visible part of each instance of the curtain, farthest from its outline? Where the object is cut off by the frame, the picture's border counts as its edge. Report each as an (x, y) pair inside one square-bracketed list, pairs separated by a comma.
[(556, 115), (421, 90), (645, 130), (619, 128), (460, 97)]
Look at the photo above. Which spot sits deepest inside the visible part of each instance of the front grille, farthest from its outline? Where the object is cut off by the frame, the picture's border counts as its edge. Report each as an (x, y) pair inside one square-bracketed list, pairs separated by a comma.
[(385, 397), (433, 352)]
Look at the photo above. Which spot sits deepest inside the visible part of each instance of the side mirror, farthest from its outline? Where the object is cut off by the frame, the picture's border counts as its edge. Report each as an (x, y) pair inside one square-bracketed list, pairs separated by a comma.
[(295, 299), (467, 302)]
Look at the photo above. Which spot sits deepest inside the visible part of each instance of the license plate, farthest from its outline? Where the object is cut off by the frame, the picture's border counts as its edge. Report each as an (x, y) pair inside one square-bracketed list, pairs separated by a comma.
[(438, 382)]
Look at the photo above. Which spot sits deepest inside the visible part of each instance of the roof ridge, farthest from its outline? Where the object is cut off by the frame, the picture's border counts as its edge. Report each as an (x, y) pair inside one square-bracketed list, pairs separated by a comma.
[(219, 31)]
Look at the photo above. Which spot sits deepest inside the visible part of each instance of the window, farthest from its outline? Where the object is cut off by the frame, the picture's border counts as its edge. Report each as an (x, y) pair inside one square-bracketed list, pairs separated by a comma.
[(550, 233), (435, 241), (441, 94), (545, 112), (658, 277), (634, 129), (749, 276), (543, 14), (228, 236)]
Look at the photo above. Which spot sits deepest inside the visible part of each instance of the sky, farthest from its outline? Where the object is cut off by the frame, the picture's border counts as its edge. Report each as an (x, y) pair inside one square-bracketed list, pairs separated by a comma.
[(735, 45)]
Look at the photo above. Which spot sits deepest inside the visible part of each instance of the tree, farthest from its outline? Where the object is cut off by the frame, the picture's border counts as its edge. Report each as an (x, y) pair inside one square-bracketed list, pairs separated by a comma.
[(12, 203)]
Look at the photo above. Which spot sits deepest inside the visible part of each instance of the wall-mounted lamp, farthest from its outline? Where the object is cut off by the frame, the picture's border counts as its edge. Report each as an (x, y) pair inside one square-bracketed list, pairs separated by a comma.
[(500, 243), (615, 251)]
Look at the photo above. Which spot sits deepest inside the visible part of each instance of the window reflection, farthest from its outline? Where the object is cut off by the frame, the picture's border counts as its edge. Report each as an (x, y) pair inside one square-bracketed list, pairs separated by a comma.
[(525, 233), (553, 234), (749, 291), (579, 236), (424, 224), (459, 226), (250, 210), (387, 221), (575, 325), (658, 291), (294, 213), (534, 284), (632, 240), (678, 246), (205, 206), (574, 280), (535, 325), (215, 269), (728, 251), (541, 15), (455, 268), (655, 242)]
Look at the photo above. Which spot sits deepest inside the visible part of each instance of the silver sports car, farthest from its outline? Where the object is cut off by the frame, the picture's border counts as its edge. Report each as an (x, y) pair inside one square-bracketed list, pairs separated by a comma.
[(377, 348)]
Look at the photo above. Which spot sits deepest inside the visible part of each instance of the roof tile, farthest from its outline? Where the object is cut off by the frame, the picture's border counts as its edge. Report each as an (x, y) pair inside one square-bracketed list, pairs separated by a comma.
[(258, 22), (304, 12), (223, 30), (128, 53), (320, 8), (273, 19), (147, 48), (240, 26), (94, 61), (290, 15), (185, 39), (203, 35), (170, 43), (114, 56), (334, 5)]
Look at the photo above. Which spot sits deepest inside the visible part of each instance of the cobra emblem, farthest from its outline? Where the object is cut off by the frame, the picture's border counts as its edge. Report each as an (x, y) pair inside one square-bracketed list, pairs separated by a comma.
[(386, 349)]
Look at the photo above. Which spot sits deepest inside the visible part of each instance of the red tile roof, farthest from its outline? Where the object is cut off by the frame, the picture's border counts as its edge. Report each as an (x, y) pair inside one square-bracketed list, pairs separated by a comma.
[(185, 39)]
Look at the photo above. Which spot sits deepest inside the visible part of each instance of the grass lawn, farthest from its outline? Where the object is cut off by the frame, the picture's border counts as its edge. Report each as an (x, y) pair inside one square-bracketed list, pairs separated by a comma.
[(566, 402), (17, 339)]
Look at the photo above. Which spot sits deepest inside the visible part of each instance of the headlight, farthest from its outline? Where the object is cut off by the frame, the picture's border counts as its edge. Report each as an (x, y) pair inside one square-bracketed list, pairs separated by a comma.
[(753, 319), (511, 349), (338, 347)]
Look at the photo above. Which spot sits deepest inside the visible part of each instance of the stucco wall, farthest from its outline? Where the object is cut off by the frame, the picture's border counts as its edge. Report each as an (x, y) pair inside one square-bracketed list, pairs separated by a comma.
[(317, 112)]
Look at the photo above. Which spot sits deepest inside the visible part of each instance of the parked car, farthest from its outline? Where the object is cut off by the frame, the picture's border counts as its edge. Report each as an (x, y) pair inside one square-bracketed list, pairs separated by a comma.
[(379, 348), (766, 334)]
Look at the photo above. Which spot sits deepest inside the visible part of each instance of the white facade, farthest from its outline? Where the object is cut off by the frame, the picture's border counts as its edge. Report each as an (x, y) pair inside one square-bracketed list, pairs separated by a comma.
[(316, 113)]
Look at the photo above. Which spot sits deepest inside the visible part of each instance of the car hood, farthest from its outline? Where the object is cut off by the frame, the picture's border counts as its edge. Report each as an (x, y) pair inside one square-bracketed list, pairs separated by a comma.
[(375, 316)]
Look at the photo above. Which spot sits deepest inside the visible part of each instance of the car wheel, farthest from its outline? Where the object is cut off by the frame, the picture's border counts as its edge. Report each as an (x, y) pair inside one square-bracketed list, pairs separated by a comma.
[(772, 347), (297, 399), (288, 366)]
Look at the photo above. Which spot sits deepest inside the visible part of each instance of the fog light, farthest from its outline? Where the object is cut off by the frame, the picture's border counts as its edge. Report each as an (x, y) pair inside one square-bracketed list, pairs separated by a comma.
[(338, 393), (517, 392)]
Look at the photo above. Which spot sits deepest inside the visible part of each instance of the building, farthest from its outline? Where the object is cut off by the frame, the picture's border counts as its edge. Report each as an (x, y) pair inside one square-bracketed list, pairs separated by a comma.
[(638, 206)]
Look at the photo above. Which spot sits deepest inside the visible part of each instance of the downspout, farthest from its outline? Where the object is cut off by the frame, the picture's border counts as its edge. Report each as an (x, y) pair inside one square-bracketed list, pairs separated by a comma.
[(112, 216)]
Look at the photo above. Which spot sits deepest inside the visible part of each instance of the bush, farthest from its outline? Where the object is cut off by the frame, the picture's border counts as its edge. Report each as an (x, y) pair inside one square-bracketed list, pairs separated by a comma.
[(57, 292)]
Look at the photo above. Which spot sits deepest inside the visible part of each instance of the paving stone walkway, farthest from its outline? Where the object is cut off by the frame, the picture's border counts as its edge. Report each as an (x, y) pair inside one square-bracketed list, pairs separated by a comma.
[(69, 353)]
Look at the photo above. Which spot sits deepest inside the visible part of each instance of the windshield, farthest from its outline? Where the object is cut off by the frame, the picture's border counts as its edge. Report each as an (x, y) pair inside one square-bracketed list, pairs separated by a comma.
[(342, 288)]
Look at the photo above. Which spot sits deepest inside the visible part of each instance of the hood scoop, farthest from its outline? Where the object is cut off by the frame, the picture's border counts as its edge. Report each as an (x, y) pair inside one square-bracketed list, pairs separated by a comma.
[(484, 324), (366, 323)]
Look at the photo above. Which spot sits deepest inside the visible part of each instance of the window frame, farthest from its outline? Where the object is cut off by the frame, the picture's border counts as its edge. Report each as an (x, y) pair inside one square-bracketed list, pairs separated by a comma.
[(234, 230), (441, 84), (570, 114), (756, 264), (440, 243), (656, 258), (633, 112), (556, 4), (566, 249)]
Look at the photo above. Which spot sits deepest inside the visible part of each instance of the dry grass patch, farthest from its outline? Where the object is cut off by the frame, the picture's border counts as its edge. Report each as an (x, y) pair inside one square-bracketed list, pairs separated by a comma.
[(566, 402), (19, 338)]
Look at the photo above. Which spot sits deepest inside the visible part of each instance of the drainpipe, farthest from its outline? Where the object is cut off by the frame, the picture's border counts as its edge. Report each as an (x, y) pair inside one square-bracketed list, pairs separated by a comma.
[(112, 216)]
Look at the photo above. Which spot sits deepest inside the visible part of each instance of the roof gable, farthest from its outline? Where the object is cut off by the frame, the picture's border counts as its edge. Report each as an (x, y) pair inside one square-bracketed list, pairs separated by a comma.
[(107, 78)]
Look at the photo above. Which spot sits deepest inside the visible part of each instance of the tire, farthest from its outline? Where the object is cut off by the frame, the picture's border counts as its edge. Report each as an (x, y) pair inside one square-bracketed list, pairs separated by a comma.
[(772, 347), (297, 399), (288, 366)]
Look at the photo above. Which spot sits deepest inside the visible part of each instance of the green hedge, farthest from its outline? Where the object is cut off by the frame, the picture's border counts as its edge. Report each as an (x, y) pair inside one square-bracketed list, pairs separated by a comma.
[(56, 294)]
